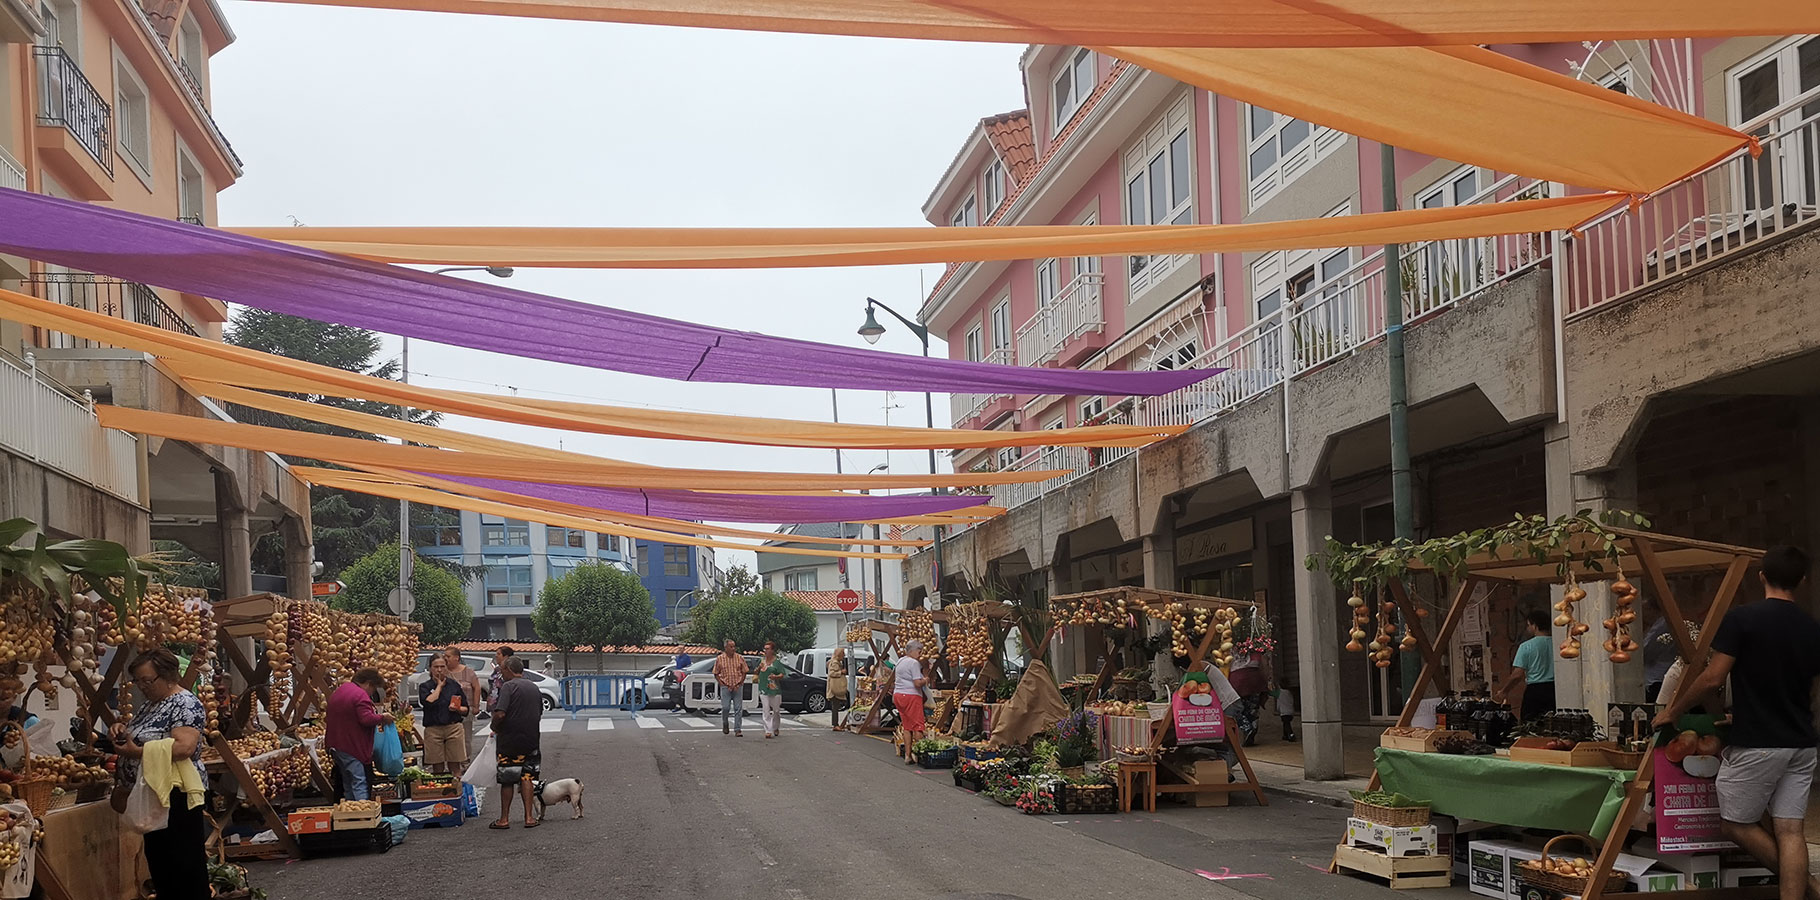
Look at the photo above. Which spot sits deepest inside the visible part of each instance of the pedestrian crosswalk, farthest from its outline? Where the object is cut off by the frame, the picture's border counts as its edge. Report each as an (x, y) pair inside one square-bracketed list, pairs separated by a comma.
[(654, 720)]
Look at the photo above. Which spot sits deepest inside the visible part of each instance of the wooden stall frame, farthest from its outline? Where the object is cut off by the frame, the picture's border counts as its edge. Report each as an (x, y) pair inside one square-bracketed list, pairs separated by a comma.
[(1656, 556), (1160, 730), (968, 680)]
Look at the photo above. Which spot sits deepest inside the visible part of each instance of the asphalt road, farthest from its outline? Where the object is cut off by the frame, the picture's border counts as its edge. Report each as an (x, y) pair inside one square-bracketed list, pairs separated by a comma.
[(678, 810)]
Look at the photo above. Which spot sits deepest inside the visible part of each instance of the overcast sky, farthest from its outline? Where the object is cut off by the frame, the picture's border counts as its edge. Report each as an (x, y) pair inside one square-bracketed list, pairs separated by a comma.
[(358, 117)]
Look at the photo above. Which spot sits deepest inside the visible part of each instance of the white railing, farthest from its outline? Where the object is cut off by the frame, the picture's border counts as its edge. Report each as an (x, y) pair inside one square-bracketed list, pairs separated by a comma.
[(1726, 209), (1253, 364), (52, 427), (12, 175), (1074, 312)]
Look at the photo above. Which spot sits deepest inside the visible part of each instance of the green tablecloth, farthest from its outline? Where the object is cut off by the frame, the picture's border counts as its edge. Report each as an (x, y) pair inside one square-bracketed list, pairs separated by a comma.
[(1494, 789)]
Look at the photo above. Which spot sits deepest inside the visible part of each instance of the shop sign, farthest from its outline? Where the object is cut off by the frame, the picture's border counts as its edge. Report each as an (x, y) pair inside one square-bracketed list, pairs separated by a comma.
[(1213, 543), (1687, 808), (1198, 717)]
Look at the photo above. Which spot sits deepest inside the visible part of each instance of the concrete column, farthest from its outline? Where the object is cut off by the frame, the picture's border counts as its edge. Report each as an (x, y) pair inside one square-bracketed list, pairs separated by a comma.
[(236, 536), (1159, 558), (1591, 682), (298, 555), (1808, 409), (1318, 637)]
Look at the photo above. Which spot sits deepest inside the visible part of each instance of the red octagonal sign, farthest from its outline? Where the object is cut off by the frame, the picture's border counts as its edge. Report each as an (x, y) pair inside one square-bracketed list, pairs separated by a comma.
[(847, 600)]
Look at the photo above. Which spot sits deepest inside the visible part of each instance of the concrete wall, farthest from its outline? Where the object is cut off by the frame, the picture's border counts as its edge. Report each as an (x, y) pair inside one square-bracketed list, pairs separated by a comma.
[(66, 508)]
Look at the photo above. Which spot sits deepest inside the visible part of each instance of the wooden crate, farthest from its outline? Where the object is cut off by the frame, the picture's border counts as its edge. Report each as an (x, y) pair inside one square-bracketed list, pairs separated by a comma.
[(310, 820), (1424, 744), (1402, 872), (1588, 754)]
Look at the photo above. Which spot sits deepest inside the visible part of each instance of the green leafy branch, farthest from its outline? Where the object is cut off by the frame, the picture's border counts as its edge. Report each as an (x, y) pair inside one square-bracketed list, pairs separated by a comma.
[(1368, 567), (58, 570)]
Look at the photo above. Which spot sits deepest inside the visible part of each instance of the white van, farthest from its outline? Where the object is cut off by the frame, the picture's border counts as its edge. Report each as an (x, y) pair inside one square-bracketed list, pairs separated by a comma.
[(815, 662)]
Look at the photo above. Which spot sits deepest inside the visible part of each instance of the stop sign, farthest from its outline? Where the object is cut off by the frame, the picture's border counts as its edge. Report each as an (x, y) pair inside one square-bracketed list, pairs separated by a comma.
[(847, 600)]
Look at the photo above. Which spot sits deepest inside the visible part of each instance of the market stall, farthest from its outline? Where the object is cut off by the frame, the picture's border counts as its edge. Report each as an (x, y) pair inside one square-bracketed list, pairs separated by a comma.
[(1561, 772), (1198, 628)]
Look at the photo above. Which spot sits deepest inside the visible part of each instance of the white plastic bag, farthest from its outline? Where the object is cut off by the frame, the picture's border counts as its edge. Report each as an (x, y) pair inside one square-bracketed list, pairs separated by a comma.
[(484, 766), (145, 810)]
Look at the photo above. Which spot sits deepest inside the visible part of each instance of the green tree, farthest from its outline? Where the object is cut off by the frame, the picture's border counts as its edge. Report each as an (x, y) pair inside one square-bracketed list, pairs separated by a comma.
[(442, 604), (346, 525), (735, 582), (752, 620), (594, 605)]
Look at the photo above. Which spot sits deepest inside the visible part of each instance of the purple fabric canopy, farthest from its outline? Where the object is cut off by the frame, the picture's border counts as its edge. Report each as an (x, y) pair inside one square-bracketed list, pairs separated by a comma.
[(698, 506), (343, 290)]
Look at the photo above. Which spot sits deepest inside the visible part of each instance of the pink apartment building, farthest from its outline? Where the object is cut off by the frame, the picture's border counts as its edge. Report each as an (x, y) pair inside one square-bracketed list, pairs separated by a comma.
[(1664, 359)]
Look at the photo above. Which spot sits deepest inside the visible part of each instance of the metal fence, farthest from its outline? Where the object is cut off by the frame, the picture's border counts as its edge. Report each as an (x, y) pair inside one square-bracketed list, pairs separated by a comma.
[(1074, 312), (44, 423), (1726, 209), (12, 175), (127, 300)]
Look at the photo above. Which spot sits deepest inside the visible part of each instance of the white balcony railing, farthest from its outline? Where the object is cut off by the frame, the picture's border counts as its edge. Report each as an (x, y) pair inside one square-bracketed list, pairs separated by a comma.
[(12, 175), (52, 427), (1726, 209), (1074, 312)]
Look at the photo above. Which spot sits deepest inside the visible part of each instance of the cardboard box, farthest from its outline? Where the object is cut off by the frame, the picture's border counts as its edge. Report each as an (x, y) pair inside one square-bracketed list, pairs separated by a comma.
[(1645, 876), (1740, 869), (1494, 868), (314, 820), (433, 813), (1699, 871), (1205, 771), (1451, 840), (1409, 841)]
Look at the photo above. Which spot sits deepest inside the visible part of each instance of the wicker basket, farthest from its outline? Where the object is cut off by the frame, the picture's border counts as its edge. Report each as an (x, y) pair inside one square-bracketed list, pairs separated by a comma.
[(64, 800), (1393, 816), (1080, 799), (1534, 873), (35, 793), (1145, 757)]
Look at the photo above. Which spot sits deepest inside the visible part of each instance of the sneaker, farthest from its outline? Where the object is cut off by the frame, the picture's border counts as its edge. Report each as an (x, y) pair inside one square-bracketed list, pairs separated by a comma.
[(737, 734)]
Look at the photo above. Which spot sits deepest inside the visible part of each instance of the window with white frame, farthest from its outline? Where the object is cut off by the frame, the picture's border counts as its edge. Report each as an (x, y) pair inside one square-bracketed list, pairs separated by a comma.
[(1006, 457), (804, 580), (190, 187), (1073, 82), (1086, 265), (1442, 267), (1092, 408), (60, 27), (190, 53), (133, 118), (1279, 149), (1159, 187), (1001, 328), (1776, 79), (966, 214), (1283, 276), (1060, 421), (1618, 80), (1182, 356), (973, 344), (995, 186)]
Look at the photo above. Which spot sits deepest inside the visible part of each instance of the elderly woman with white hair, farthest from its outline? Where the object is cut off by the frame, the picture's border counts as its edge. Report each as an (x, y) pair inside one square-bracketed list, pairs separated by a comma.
[(907, 695)]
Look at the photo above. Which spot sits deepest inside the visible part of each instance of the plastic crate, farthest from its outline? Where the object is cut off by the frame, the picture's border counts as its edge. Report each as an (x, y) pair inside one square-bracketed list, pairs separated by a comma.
[(377, 839)]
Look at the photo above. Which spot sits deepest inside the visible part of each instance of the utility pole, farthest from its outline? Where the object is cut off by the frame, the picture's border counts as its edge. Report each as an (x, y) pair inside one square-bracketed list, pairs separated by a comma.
[(1401, 493), (407, 559)]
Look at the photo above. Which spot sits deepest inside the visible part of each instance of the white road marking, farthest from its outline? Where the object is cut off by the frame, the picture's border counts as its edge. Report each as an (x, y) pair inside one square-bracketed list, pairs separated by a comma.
[(697, 723), (550, 726), (648, 723), (600, 724)]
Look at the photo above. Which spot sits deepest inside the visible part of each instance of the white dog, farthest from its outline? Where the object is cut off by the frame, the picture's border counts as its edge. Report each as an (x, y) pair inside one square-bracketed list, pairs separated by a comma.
[(562, 790)]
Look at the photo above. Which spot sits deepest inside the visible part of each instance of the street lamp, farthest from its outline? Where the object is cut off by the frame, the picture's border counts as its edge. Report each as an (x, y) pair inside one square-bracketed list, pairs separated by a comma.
[(871, 330), (407, 560)]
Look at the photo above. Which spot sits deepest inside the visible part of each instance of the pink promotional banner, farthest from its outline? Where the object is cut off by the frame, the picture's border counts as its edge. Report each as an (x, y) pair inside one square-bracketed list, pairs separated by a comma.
[(1198, 717), (327, 287), (1687, 806)]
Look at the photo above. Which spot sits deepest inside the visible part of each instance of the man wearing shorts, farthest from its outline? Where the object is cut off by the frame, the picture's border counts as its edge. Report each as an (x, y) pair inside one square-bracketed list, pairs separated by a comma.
[(517, 710), (1767, 770)]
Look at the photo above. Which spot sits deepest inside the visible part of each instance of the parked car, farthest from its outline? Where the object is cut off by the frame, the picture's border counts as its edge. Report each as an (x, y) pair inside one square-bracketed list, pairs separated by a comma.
[(655, 687), (815, 662), (802, 693), (413, 680), (548, 686)]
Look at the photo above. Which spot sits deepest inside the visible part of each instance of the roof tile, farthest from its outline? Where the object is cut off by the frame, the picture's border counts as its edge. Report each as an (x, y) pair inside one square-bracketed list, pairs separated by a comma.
[(1011, 136), (823, 601)]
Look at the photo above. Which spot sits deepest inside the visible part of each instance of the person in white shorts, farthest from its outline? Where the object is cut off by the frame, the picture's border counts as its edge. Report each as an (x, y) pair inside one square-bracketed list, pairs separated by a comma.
[(1767, 769)]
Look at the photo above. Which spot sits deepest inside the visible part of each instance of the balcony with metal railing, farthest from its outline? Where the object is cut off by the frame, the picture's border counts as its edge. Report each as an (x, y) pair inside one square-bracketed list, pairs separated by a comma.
[(54, 427), (1735, 206), (191, 82), (1054, 334), (12, 174), (126, 300), (67, 99), (982, 409)]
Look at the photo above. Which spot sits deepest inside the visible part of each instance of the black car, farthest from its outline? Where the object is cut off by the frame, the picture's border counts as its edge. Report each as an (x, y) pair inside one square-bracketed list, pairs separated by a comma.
[(802, 693)]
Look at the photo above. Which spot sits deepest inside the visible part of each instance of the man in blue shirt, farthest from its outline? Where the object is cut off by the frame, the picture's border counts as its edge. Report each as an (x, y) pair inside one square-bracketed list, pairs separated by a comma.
[(1532, 674)]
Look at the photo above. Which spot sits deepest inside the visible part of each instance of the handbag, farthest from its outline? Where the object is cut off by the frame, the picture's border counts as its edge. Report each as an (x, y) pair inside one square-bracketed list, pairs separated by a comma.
[(145, 811)]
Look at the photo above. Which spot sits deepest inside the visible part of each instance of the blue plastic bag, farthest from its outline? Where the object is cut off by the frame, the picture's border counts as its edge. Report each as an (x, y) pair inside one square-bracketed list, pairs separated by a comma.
[(399, 826), (388, 751)]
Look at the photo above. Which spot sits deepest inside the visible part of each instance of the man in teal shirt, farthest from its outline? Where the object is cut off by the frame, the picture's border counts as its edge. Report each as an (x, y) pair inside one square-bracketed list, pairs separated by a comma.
[(1532, 672)]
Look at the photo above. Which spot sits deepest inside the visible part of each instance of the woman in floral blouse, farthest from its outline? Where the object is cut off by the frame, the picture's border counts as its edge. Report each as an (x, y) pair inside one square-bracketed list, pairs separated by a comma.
[(173, 854)]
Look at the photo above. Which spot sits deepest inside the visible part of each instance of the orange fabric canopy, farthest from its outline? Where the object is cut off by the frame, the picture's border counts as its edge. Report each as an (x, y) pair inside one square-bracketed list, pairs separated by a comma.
[(601, 472), (1170, 23), (201, 360), (415, 494), (778, 247), (319, 475)]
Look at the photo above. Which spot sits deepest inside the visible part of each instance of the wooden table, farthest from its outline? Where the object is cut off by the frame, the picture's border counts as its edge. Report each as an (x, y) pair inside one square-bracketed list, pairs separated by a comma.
[(88, 854)]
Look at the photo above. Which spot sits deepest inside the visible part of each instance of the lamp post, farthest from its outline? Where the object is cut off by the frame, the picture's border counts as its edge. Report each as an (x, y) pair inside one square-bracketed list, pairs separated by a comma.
[(871, 330), (407, 560)]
